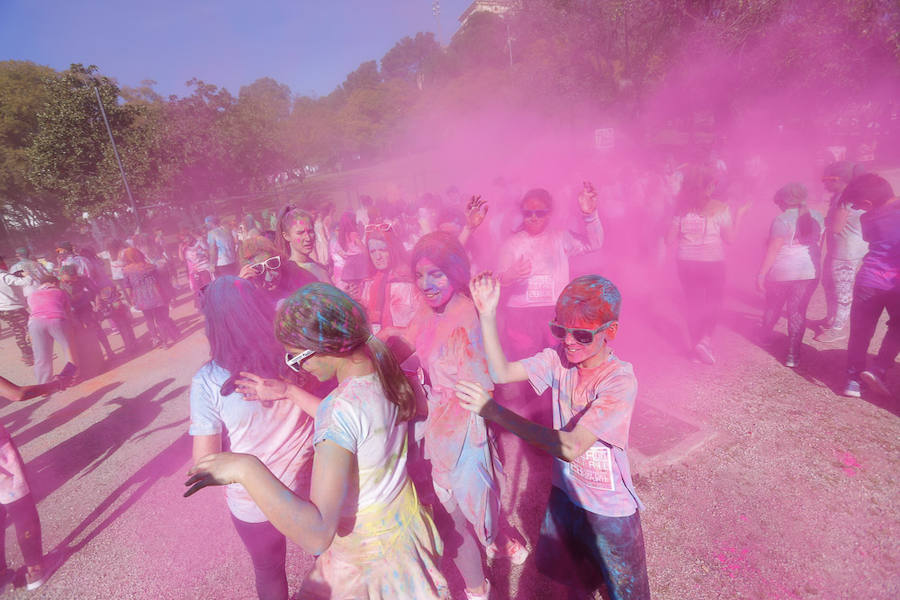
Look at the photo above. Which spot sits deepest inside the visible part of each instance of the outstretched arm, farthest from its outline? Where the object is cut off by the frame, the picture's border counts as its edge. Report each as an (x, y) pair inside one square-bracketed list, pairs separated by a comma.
[(485, 290), (566, 445), (309, 524)]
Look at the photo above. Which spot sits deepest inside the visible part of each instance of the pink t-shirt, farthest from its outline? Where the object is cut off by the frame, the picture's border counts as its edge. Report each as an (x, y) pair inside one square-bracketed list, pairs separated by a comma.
[(48, 303)]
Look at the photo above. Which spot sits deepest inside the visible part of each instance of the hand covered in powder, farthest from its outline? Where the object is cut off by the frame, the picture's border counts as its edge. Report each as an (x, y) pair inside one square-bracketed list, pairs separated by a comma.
[(247, 272), (485, 290), (476, 210), (254, 387), (221, 468), (473, 397), (587, 199)]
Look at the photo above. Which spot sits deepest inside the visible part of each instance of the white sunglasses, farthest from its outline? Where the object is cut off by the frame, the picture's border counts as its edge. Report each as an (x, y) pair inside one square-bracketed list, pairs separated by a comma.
[(295, 361)]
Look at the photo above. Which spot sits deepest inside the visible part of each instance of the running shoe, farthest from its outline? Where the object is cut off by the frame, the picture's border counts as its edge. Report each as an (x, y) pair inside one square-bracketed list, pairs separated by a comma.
[(852, 390), (482, 595), (791, 361), (704, 353), (829, 336), (875, 383)]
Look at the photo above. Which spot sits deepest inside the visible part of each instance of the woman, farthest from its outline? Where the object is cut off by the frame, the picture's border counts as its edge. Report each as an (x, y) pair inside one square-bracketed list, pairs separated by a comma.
[(534, 263), (195, 253), (296, 239), (789, 272), (447, 341), (109, 302), (363, 519), (388, 294), (50, 321), (16, 499), (149, 295), (700, 228), (344, 243), (271, 272), (278, 434)]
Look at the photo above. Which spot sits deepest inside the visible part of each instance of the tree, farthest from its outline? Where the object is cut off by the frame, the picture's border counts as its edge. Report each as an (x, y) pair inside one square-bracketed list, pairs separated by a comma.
[(412, 59), (23, 93), (71, 156)]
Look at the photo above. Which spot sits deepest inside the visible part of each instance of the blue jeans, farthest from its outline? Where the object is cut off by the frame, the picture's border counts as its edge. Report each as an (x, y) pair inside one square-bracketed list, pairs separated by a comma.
[(578, 548), (268, 552)]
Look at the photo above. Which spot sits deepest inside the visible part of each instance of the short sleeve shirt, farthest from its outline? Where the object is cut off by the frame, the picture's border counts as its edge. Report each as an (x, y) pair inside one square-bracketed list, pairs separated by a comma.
[(700, 236), (279, 435), (358, 417), (881, 265), (224, 245), (795, 261), (600, 479)]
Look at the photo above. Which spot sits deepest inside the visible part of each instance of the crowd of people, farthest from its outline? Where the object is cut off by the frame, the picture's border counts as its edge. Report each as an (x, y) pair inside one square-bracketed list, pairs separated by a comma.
[(361, 363)]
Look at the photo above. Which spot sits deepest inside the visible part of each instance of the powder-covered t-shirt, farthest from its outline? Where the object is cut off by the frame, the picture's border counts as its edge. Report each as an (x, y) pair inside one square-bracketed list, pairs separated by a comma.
[(848, 243), (795, 260), (548, 252), (48, 303), (600, 479), (224, 244), (700, 236), (358, 417), (280, 435), (881, 266)]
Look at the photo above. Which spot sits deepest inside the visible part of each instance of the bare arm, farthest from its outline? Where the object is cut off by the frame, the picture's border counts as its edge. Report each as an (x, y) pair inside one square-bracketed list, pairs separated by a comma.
[(565, 445), (485, 290), (258, 389), (204, 445), (309, 524), (17, 393)]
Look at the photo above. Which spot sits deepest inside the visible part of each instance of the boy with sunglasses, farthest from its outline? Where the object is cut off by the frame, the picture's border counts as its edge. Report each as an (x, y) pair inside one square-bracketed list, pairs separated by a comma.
[(592, 526)]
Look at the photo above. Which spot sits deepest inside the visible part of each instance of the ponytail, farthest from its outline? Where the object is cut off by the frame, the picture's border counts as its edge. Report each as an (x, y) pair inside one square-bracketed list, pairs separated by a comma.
[(394, 382)]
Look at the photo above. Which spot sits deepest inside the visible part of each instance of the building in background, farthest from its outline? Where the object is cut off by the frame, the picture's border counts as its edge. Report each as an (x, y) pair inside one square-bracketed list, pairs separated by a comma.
[(498, 7)]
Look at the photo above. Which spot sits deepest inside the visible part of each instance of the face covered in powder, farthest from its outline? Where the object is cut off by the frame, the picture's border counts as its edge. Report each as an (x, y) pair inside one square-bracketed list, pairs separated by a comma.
[(267, 269), (535, 215), (434, 284), (301, 236), (380, 254), (577, 351)]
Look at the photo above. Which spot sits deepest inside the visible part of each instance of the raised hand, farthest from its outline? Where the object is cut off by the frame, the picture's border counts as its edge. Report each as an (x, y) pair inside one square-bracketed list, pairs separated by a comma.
[(221, 468), (473, 397), (254, 387), (485, 290), (476, 210), (587, 199), (247, 272)]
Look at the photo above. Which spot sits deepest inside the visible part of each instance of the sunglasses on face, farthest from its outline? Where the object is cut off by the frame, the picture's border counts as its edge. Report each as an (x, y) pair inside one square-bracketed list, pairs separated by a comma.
[(582, 336), (270, 264), (539, 214), (378, 227), (295, 361)]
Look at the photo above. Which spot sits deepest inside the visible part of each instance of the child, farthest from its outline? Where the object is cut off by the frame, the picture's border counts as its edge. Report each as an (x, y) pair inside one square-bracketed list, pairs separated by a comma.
[(362, 520), (592, 515)]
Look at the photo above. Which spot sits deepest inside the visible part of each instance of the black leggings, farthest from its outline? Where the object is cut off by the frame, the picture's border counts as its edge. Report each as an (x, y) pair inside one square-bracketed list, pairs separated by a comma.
[(794, 296), (704, 286), (268, 553), (24, 516)]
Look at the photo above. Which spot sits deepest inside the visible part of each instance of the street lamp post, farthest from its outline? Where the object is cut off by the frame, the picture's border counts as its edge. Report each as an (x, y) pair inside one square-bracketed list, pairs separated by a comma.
[(112, 141)]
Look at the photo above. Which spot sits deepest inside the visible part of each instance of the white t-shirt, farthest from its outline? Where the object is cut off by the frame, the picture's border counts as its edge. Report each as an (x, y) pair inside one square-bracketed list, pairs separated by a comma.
[(359, 418), (700, 236), (795, 261), (600, 479), (548, 252), (280, 436)]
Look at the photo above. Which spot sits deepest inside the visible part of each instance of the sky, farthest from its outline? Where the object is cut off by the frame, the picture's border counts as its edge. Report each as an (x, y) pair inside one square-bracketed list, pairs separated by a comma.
[(309, 45)]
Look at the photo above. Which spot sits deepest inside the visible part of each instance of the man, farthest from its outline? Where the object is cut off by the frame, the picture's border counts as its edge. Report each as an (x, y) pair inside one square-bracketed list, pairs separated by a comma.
[(845, 248), (222, 252), (877, 286), (65, 255), (13, 309)]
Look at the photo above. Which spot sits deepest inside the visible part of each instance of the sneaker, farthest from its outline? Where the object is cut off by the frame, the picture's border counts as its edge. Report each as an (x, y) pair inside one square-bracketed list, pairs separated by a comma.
[(704, 353), (35, 577), (7, 577), (482, 594), (790, 362), (829, 336), (514, 551), (852, 390), (875, 383)]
